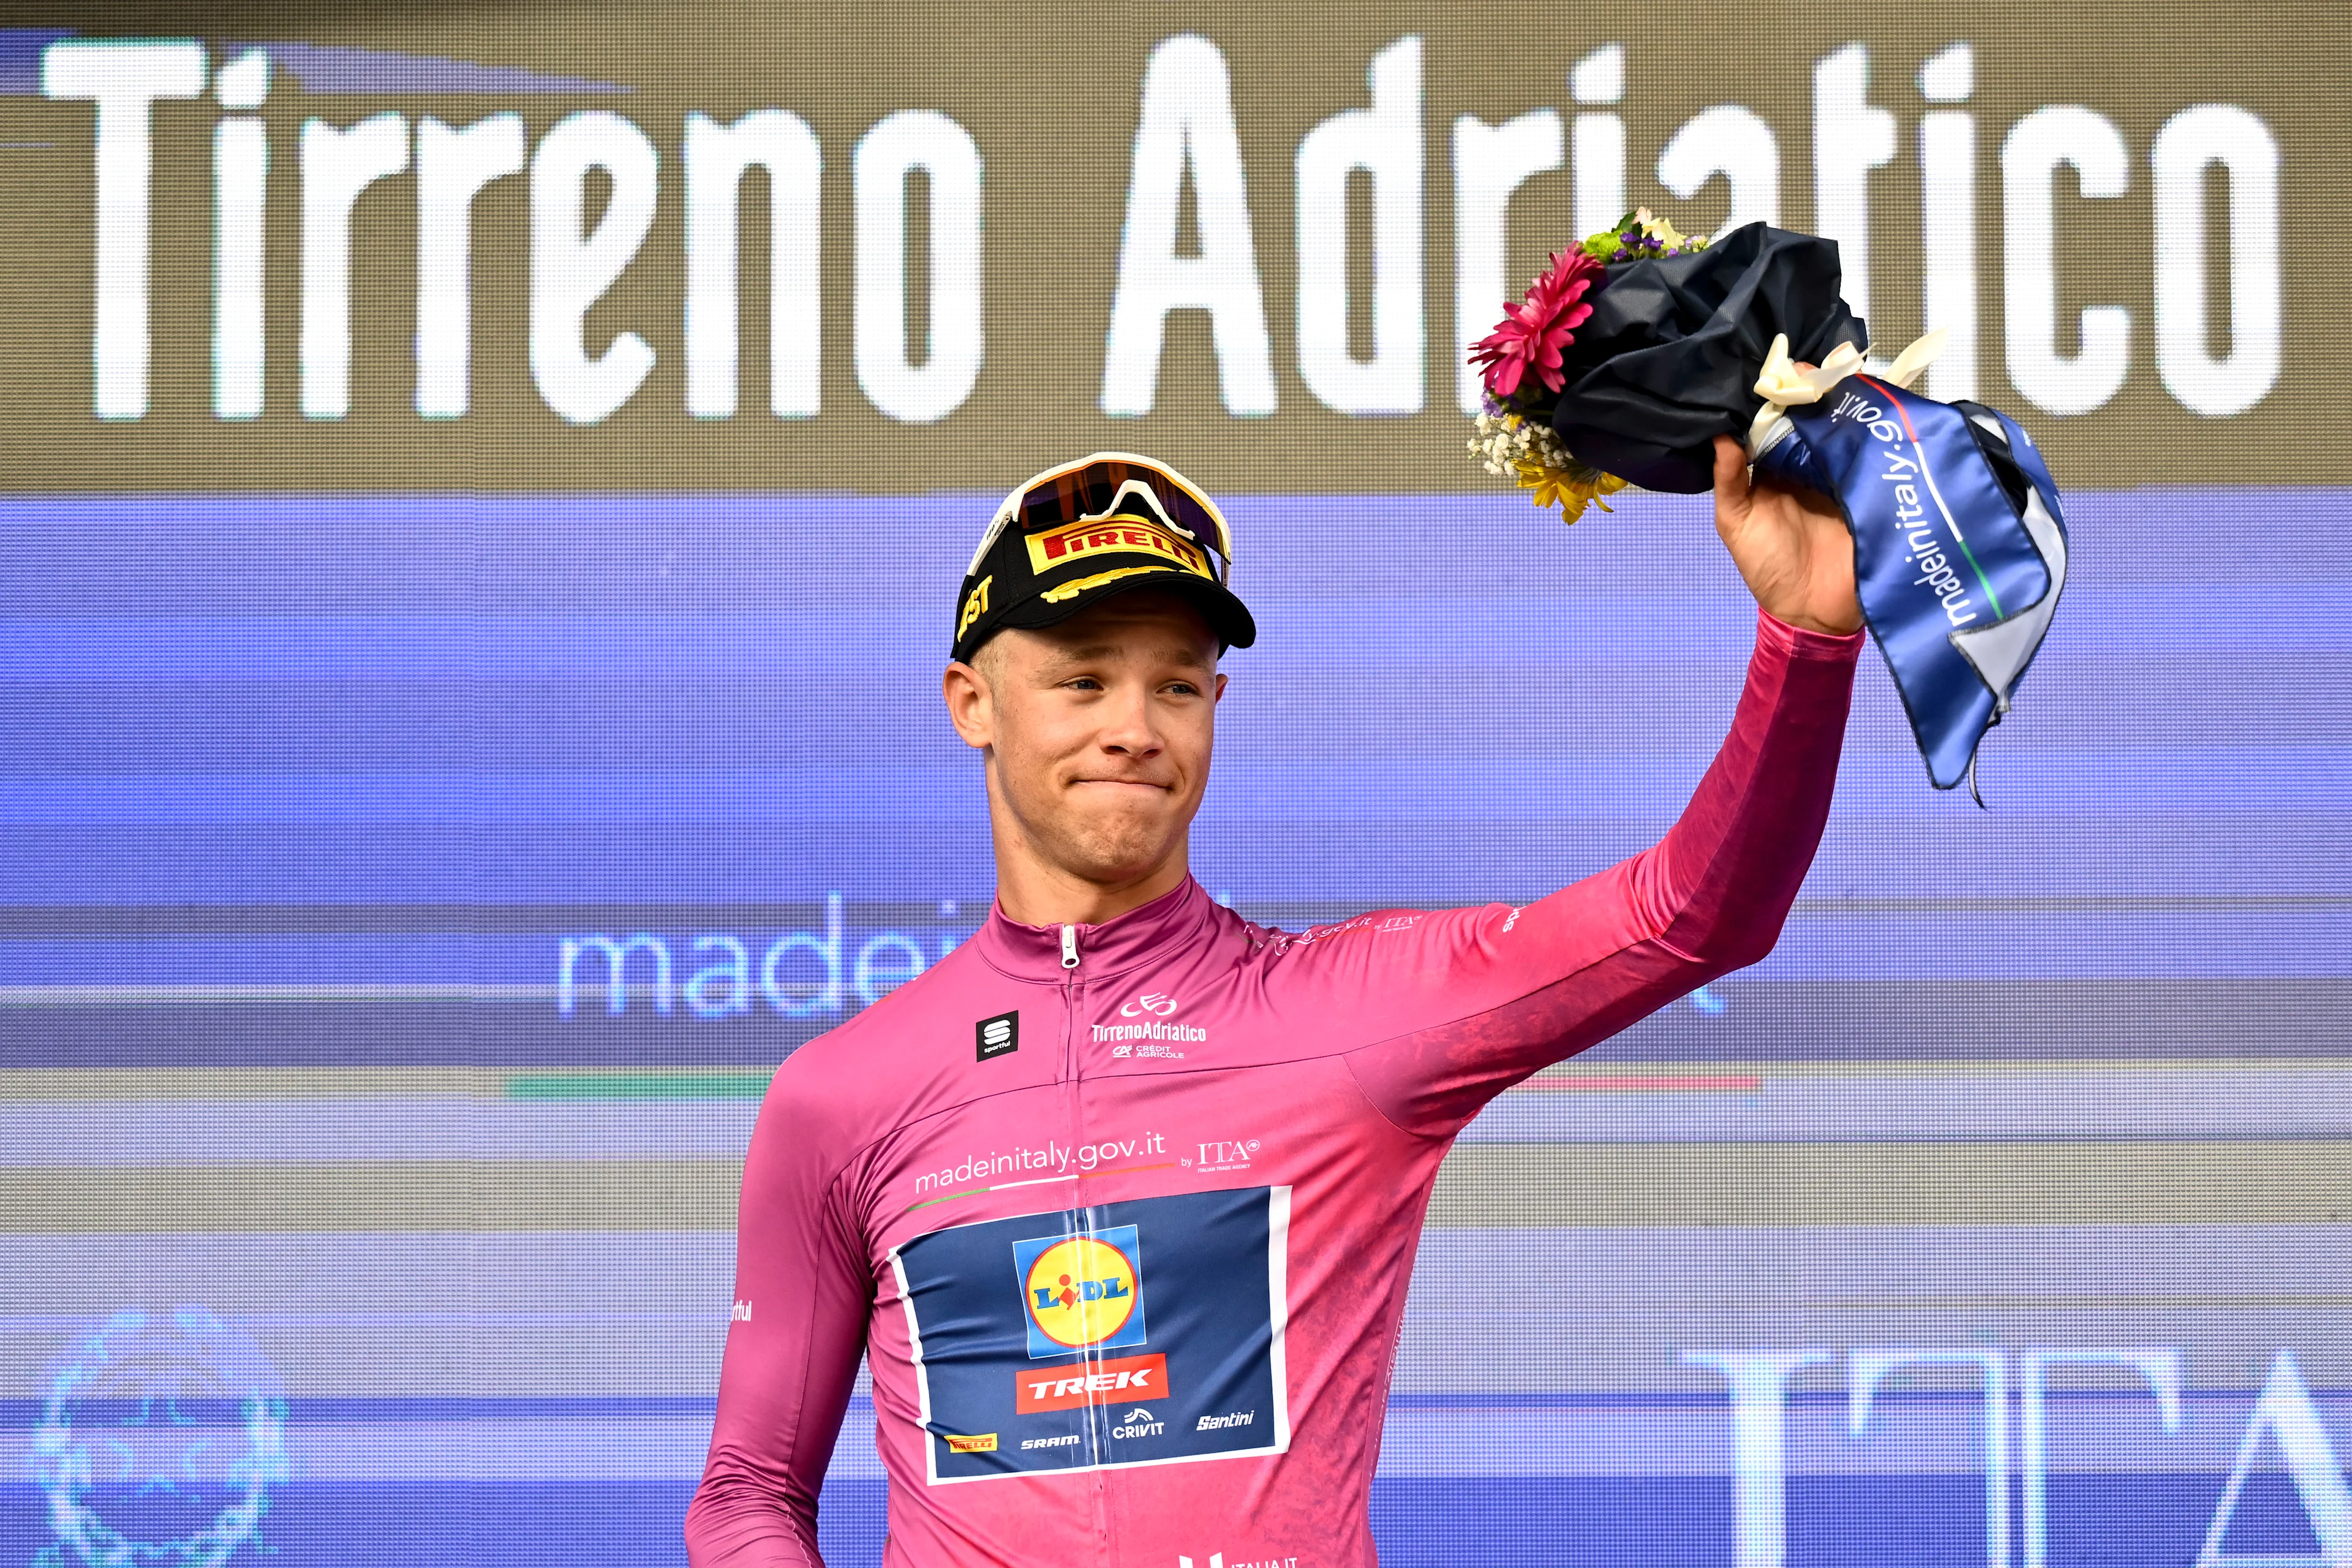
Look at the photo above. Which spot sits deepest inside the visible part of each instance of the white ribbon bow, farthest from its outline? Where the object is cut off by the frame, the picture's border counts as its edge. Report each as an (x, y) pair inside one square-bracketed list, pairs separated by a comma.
[(1783, 386)]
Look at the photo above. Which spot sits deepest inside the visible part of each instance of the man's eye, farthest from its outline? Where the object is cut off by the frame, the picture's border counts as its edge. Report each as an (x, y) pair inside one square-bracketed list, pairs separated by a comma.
[(1084, 683)]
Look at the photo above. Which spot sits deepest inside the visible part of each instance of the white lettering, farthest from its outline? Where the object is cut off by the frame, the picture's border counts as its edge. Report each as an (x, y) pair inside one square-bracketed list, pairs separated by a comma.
[(1385, 142), (2036, 146), (124, 80), (1734, 141), (717, 157), (1597, 141), (1490, 161), (734, 972), (803, 998), (2191, 142), (452, 167), (338, 164), (1948, 221), (1187, 125), (570, 270), (240, 200), (1851, 138), (1758, 1381), (895, 148), (2285, 1412), (2159, 1368), (1867, 1369)]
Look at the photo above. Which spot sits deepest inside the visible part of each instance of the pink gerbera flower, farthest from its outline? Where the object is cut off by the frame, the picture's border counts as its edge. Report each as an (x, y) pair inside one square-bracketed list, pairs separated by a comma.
[(1532, 332)]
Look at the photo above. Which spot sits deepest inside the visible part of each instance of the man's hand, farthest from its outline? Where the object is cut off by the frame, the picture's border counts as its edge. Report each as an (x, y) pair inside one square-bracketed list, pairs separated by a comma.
[(1790, 544)]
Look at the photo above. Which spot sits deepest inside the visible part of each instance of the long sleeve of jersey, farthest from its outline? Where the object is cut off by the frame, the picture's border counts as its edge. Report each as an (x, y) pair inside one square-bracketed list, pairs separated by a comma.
[(801, 1275), (1492, 995)]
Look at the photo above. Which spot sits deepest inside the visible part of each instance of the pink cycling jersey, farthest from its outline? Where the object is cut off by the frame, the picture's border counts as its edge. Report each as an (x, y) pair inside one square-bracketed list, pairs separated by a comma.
[(1122, 1215)]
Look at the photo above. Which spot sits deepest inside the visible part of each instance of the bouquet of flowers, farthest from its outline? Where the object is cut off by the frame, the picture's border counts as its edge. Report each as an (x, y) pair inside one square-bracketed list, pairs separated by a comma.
[(1633, 351)]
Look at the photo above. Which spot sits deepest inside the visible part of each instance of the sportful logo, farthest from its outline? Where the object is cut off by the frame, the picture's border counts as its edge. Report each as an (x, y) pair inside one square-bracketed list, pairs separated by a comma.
[(997, 1036)]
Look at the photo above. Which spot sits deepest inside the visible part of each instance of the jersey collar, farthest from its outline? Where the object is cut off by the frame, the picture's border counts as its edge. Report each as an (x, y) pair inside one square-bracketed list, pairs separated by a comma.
[(1153, 930)]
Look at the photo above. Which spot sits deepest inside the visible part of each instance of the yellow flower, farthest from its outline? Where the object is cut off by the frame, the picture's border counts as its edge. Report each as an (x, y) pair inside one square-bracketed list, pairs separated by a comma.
[(1658, 228), (1573, 489)]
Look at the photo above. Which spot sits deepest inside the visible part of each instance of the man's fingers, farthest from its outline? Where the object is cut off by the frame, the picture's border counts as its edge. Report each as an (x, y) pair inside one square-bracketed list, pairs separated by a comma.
[(1731, 484)]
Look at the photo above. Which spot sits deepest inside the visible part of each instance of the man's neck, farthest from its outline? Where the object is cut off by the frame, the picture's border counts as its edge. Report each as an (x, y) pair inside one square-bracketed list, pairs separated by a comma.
[(1032, 893)]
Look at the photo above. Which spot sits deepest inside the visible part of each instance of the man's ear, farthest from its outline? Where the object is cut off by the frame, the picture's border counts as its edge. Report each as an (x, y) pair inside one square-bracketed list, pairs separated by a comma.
[(1221, 686), (971, 706)]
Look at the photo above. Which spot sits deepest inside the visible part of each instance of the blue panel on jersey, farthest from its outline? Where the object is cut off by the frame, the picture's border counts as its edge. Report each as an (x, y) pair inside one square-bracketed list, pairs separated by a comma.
[(1126, 1333)]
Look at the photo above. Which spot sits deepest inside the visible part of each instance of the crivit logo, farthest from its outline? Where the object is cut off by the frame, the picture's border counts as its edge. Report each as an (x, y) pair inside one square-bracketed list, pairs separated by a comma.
[(1081, 1293), (983, 1444), (1067, 1387), (997, 1036), (1139, 1423)]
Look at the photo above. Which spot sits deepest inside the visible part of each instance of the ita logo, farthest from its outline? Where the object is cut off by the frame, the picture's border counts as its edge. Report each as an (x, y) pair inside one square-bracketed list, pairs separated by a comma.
[(1081, 1293)]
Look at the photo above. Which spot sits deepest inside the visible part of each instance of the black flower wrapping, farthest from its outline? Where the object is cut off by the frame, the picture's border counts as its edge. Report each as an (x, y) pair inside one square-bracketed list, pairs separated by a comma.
[(1669, 357)]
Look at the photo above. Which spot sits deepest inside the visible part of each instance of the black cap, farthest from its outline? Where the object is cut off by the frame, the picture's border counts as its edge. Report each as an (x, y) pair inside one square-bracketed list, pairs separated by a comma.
[(1087, 531)]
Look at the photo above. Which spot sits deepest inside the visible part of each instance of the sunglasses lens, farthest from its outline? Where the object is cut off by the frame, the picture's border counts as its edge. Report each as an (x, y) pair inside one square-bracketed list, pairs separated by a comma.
[(1089, 491)]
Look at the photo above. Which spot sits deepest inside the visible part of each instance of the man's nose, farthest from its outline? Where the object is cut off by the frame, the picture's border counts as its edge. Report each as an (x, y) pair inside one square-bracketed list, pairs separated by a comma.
[(1131, 731)]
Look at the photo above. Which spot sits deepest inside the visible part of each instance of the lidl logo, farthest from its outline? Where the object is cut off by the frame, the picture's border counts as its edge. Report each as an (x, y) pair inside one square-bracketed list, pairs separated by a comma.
[(1081, 1293)]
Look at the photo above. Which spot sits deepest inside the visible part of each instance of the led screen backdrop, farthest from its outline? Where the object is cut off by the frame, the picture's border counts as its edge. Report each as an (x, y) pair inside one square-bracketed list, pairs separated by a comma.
[(483, 502)]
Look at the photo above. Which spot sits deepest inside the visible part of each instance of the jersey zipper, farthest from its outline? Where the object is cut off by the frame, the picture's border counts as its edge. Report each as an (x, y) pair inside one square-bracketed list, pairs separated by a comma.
[(1073, 991)]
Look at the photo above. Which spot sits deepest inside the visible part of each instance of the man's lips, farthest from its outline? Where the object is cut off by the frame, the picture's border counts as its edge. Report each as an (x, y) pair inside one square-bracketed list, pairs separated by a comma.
[(1125, 784)]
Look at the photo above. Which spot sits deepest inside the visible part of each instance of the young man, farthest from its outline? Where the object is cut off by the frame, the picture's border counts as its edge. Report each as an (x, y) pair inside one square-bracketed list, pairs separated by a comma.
[(1120, 1199)]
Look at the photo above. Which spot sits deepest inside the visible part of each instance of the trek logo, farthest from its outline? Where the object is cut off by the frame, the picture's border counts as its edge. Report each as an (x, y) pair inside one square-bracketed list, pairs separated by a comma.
[(1151, 1002), (1068, 1387), (1081, 1293), (1122, 535), (997, 1036)]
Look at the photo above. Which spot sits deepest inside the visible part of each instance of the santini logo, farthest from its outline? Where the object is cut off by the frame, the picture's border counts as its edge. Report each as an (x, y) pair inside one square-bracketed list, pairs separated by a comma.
[(997, 1036), (1212, 1422)]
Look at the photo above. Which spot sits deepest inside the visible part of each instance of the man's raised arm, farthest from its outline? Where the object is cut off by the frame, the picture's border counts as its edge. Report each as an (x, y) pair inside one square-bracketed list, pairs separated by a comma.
[(1485, 997), (802, 1298)]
